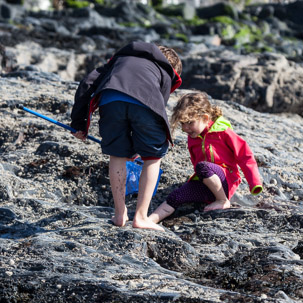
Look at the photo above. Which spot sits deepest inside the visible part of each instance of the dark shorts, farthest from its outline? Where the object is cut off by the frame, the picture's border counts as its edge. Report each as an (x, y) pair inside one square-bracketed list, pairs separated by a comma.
[(127, 129)]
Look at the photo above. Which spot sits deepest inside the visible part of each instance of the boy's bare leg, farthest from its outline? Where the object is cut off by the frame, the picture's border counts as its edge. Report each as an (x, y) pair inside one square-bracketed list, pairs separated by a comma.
[(215, 185), (164, 210), (117, 176), (147, 183)]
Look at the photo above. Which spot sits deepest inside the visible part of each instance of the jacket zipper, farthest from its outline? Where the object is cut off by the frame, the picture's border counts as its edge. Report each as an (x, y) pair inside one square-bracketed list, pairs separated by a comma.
[(212, 159), (210, 150), (203, 146)]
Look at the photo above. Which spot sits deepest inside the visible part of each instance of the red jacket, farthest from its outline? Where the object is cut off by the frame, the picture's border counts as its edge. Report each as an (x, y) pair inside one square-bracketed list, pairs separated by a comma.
[(219, 144)]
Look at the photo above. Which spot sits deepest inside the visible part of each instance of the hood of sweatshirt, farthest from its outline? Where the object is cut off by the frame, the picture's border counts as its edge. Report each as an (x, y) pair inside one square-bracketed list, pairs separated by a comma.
[(152, 52)]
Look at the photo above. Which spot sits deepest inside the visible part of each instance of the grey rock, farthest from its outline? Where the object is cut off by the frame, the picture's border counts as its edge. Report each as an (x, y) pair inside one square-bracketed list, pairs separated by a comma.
[(57, 243), (56, 206), (256, 81)]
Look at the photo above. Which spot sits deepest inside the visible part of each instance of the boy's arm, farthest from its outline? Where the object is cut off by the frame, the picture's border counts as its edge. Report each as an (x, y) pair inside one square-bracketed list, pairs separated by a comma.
[(85, 92)]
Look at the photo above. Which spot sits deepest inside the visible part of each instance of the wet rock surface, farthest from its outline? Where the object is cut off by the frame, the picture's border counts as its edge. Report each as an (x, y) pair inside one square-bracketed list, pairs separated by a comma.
[(57, 243), (250, 55)]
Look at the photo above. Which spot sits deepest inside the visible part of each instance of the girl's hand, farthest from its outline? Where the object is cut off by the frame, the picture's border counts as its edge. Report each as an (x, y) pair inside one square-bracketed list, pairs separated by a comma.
[(80, 135)]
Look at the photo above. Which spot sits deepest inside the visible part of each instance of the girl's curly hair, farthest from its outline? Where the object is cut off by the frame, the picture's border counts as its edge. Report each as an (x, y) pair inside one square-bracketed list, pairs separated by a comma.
[(193, 106)]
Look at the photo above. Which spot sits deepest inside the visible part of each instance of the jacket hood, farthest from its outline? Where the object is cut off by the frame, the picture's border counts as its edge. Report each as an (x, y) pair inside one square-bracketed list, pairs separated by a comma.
[(220, 125), (152, 52)]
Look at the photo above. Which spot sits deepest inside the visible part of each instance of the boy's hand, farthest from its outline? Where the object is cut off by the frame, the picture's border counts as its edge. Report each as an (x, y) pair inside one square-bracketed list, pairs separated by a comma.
[(79, 135)]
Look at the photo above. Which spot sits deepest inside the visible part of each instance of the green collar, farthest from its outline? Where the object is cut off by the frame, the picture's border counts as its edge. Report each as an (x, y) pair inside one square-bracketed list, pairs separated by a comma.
[(220, 125)]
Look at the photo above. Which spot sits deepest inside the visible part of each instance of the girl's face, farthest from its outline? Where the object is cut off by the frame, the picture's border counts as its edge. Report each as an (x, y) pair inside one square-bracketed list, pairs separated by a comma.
[(195, 128)]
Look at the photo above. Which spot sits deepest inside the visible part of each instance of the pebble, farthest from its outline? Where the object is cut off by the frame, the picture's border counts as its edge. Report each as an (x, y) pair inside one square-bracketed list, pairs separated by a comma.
[(11, 262), (263, 296), (131, 284), (273, 181)]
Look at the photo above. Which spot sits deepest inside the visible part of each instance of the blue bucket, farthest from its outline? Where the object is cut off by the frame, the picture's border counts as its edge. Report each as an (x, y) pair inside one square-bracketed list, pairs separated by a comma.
[(133, 172)]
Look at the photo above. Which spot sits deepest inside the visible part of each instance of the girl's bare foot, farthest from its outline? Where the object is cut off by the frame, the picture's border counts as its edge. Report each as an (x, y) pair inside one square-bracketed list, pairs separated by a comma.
[(146, 224), (218, 204), (120, 220)]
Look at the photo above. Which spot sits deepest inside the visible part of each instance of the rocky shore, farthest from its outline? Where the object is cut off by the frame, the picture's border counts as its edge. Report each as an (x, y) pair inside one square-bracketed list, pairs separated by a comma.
[(57, 243)]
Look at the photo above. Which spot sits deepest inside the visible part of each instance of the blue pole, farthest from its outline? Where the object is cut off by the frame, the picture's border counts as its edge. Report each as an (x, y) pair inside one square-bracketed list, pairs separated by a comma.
[(137, 162), (57, 123)]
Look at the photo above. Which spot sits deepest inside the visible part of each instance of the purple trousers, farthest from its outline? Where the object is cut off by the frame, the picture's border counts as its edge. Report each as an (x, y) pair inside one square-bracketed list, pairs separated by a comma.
[(195, 191)]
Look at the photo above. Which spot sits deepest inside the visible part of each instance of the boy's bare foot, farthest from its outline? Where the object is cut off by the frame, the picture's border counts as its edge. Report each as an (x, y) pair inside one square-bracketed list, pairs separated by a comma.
[(147, 224), (120, 220), (219, 204)]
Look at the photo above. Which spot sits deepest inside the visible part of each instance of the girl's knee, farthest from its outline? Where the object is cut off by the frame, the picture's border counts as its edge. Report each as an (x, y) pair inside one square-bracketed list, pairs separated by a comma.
[(172, 199), (204, 170)]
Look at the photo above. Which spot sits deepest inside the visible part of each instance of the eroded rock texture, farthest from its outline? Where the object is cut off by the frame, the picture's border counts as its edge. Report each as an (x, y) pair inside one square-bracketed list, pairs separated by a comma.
[(57, 243)]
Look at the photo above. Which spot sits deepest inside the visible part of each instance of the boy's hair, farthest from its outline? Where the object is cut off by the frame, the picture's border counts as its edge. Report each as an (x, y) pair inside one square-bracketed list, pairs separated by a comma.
[(172, 58), (193, 106)]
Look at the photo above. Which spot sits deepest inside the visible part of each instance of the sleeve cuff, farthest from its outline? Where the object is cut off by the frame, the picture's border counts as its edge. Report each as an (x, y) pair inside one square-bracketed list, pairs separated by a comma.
[(257, 190)]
